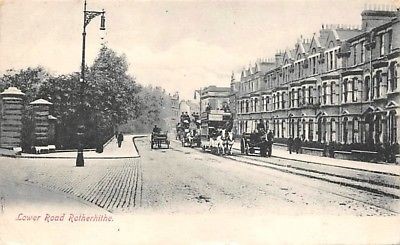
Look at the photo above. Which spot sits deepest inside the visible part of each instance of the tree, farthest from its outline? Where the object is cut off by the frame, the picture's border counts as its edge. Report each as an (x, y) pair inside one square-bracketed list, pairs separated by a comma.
[(111, 97), (63, 92), (110, 91), (155, 108), (27, 80)]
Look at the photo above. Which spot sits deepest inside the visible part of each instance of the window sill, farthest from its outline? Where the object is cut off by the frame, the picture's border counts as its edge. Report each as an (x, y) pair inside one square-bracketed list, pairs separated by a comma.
[(352, 103), (393, 92)]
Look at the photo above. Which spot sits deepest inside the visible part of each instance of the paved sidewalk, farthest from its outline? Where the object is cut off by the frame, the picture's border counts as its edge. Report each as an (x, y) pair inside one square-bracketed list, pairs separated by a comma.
[(111, 151), (373, 167)]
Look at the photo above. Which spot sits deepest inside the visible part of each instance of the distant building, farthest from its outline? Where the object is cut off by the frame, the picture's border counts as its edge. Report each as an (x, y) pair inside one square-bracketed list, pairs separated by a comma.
[(189, 106), (175, 110)]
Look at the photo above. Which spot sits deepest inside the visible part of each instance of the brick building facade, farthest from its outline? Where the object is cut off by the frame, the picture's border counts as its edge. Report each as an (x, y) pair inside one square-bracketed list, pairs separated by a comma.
[(340, 86)]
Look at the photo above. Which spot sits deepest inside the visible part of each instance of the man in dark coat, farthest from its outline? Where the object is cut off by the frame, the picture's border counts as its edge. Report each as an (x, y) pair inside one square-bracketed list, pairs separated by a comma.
[(156, 129), (270, 141), (331, 149), (120, 138), (290, 144), (260, 126), (297, 144)]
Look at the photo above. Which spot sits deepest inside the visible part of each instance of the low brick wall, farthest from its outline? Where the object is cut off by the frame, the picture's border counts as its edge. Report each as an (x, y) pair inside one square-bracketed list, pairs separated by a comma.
[(365, 156), (312, 151), (344, 155), (280, 146)]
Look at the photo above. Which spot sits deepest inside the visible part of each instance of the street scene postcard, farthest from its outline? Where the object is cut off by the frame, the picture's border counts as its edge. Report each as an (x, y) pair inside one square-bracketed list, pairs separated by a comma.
[(199, 122)]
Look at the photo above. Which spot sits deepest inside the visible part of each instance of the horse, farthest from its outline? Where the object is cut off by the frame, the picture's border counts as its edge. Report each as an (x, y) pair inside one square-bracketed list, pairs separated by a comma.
[(216, 143), (227, 141)]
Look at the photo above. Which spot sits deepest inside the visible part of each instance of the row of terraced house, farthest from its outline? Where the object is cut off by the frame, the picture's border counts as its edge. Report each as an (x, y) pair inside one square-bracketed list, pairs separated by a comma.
[(339, 86)]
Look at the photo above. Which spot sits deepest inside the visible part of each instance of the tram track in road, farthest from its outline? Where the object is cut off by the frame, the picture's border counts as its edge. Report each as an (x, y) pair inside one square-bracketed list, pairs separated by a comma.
[(333, 181), (381, 182), (380, 187)]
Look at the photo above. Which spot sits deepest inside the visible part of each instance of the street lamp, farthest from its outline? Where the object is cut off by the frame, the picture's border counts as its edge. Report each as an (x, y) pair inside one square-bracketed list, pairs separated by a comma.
[(87, 17)]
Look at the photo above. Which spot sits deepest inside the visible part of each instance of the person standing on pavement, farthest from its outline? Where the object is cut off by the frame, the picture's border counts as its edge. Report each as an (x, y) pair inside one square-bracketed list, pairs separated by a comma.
[(120, 138), (270, 141), (290, 144), (297, 143)]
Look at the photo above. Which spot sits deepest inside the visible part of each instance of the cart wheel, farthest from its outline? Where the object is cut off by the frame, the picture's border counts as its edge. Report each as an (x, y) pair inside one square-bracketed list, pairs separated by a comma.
[(247, 151)]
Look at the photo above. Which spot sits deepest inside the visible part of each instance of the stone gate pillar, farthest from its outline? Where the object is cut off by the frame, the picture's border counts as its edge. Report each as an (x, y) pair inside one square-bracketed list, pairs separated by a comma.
[(41, 112), (11, 109)]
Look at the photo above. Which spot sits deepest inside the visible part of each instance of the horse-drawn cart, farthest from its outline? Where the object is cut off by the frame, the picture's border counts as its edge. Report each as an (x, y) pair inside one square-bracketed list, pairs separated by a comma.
[(253, 143), (159, 139), (191, 139)]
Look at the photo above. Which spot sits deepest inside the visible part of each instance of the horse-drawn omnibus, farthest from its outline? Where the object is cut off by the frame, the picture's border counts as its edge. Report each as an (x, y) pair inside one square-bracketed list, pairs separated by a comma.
[(216, 132), (188, 131)]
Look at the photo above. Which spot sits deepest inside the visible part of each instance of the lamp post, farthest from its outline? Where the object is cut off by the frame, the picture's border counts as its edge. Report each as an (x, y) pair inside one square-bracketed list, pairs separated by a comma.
[(87, 17)]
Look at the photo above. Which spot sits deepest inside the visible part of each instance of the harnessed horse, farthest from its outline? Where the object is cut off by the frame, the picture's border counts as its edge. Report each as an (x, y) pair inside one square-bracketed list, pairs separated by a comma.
[(216, 143), (227, 141)]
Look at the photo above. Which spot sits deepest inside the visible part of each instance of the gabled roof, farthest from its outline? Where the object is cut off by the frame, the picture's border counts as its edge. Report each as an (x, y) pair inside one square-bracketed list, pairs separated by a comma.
[(314, 44), (299, 49), (332, 38), (288, 56), (255, 68)]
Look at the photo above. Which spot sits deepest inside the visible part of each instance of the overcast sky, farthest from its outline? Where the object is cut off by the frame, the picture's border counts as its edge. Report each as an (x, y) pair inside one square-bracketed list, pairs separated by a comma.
[(180, 45)]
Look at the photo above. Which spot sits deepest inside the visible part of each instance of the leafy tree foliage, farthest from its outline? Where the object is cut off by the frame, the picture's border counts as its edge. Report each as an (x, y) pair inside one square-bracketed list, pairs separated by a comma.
[(27, 80), (63, 92), (155, 109), (110, 91), (111, 97)]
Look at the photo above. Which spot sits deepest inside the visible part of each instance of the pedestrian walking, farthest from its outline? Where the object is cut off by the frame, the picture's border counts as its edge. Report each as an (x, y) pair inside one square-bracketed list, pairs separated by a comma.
[(120, 138), (270, 141), (381, 152), (331, 149), (386, 152), (297, 144), (290, 144)]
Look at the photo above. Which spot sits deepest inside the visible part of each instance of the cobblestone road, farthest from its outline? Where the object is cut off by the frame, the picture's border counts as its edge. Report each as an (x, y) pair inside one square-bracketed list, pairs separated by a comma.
[(115, 185)]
